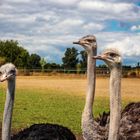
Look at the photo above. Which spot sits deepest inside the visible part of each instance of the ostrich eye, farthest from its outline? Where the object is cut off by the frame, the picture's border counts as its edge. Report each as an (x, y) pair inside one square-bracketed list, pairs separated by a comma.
[(112, 54), (12, 71), (89, 40)]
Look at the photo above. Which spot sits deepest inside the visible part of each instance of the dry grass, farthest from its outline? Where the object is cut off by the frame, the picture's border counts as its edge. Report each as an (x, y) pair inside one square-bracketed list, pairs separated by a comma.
[(60, 99), (77, 86)]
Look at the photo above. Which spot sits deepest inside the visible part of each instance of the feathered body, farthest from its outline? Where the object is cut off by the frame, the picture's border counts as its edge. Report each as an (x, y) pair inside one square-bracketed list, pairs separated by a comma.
[(130, 122), (45, 132), (94, 130)]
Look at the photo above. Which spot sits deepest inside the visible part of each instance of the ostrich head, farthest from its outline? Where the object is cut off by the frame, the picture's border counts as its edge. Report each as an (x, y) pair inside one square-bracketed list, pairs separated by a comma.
[(87, 42), (112, 57), (8, 72)]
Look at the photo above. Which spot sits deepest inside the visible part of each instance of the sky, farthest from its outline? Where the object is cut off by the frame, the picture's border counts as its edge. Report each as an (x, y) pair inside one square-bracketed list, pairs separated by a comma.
[(48, 27)]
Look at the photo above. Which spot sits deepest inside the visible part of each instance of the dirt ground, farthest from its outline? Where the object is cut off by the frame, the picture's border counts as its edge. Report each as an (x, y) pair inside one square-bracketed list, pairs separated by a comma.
[(130, 86)]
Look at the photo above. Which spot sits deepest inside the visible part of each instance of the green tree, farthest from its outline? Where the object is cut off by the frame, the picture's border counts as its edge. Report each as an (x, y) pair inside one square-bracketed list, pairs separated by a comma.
[(83, 60), (9, 50), (34, 61), (78, 68), (138, 64), (52, 66), (70, 59), (102, 66), (42, 63), (22, 59), (14, 53)]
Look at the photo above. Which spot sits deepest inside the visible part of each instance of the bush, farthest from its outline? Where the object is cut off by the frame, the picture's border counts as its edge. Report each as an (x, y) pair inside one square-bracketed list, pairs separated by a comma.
[(133, 74)]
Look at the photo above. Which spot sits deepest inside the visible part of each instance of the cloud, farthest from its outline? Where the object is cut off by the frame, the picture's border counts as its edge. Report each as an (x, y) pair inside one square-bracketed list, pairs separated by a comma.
[(48, 27), (135, 28), (106, 7), (93, 27), (64, 2), (18, 1), (127, 44), (110, 10), (71, 22)]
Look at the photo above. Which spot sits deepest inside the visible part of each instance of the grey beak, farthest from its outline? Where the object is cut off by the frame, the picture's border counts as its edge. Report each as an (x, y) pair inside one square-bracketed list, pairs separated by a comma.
[(97, 57), (76, 42)]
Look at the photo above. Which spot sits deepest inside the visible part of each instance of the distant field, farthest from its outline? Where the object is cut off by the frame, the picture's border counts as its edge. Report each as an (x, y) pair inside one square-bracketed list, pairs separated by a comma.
[(60, 100)]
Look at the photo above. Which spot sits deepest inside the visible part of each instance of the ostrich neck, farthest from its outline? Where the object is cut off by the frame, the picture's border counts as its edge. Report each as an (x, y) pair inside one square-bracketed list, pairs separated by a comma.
[(88, 126), (115, 103), (91, 70), (8, 109)]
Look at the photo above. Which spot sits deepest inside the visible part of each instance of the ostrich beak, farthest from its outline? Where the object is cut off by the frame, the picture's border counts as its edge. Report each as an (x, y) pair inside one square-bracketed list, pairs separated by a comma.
[(76, 42), (98, 57), (5, 76)]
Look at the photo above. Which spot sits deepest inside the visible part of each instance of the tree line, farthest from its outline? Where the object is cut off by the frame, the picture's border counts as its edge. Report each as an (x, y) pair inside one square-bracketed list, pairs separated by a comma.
[(11, 51)]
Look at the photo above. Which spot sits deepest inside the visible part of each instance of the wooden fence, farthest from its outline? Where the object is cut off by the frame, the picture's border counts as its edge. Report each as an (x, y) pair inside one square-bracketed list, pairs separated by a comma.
[(104, 72)]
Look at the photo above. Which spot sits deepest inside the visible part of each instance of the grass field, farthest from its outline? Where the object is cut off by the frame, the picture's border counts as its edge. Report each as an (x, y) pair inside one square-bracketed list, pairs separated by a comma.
[(60, 100)]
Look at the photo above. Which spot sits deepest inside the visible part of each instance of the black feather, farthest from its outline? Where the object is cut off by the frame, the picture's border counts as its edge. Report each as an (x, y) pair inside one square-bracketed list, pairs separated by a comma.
[(45, 132)]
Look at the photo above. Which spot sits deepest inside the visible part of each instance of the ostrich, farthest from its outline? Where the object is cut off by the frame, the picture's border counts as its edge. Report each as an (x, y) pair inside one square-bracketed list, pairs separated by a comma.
[(34, 132), (91, 129), (113, 60), (125, 125)]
